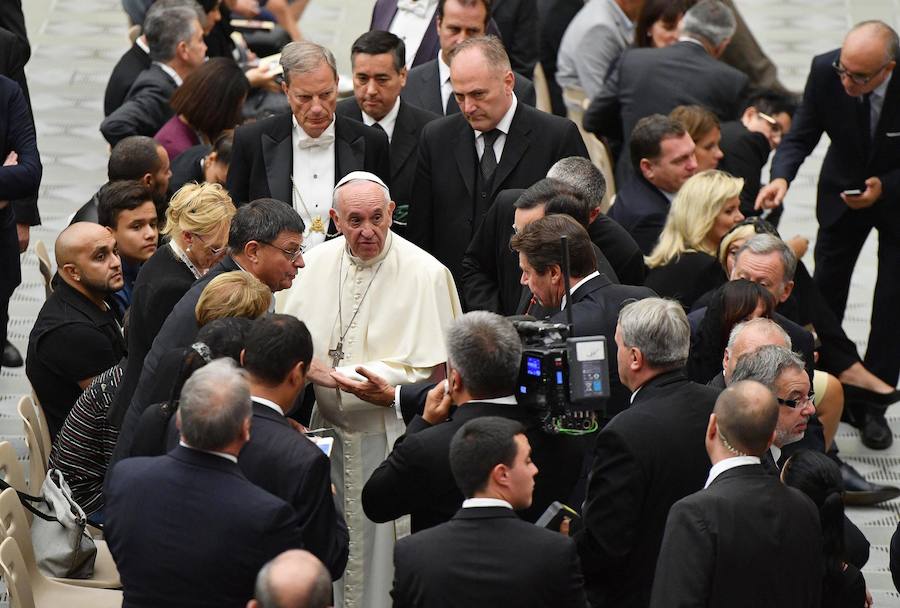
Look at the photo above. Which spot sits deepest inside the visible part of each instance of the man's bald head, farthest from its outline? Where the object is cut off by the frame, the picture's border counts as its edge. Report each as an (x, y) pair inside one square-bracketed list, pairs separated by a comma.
[(747, 337), (872, 36), (294, 579), (746, 414), (869, 54), (88, 261), (78, 237)]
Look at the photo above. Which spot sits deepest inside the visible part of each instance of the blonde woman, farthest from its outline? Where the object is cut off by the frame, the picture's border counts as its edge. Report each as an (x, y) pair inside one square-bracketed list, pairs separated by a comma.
[(197, 223), (683, 264)]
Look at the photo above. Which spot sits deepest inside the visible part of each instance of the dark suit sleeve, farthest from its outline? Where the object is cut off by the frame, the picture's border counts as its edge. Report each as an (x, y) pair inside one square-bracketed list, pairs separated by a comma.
[(144, 113), (421, 205), (646, 232), (324, 530), (238, 180), (412, 400), (282, 532), (399, 485), (803, 137), (400, 591), (573, 143), (571, 590), (602, 115), (480, 281), (686, 560), (520, 36), (24, 178)]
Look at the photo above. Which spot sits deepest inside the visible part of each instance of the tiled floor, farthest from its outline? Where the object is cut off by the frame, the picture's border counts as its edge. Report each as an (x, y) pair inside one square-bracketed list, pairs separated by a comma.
[(76, 43)]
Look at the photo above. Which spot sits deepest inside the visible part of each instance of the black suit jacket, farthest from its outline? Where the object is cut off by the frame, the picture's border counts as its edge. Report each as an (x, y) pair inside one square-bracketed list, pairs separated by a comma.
[(416, 478), (285, 463), (487, 557), (186, 167), (641, 208), (404, 144), (851, 157), (648, 457), (746, 153), (145, 110), (423, 89), (262, 157), (17, 134), (210, 532), (130, 65), (448, 206), (746, 541), (687, 277)]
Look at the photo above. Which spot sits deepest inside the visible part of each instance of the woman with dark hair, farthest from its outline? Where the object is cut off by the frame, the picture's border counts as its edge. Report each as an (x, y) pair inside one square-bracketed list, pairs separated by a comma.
[(819, 477), (703, 127), (733, 303), (208, 102), (659, 21)]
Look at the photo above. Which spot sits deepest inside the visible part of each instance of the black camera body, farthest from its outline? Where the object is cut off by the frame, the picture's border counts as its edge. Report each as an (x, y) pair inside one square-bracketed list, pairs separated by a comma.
[(564, 379)]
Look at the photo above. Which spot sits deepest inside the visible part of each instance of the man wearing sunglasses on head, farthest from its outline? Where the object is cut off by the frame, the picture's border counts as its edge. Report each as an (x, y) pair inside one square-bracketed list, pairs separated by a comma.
[(851, 96)]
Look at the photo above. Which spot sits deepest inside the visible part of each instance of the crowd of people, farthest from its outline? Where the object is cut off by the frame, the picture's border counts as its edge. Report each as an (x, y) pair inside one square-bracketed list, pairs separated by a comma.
[(278, 367)]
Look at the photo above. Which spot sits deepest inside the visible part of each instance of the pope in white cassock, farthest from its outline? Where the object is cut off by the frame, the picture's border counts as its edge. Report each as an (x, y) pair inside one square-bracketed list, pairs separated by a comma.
[(370, 299)]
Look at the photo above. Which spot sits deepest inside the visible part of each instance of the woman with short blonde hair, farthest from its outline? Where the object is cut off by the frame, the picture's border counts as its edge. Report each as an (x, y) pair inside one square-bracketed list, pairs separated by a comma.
[(233, 294), (683, 264)]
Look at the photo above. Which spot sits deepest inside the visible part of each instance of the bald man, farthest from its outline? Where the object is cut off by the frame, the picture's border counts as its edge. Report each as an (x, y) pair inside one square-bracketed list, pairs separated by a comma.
[(294, 579), (852, 96), (77, 334)]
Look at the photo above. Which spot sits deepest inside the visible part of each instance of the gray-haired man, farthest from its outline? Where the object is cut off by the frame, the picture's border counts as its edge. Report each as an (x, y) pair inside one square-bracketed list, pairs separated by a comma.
[(298, 157)]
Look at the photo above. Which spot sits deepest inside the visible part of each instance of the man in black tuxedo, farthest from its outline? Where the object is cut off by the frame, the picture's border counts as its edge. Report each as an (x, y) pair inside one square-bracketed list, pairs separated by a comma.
[(212, 529), (657, 80), (378, 76), (662, 155), (732, 543), (176, 47), (486, 556), (458, 175), (279, 459), (851, 95), (298, 157), (648, 457), (484, 353), (428, 85)]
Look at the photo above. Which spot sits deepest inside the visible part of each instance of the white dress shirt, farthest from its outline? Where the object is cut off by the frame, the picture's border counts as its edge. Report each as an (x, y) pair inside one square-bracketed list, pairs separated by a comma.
[(446, 86), (313, 174), (470, 503), (170, 71), (503, 127), (575, 287), (410, 24), (230, 457), (728, 464), (267, 403), (387, 123)]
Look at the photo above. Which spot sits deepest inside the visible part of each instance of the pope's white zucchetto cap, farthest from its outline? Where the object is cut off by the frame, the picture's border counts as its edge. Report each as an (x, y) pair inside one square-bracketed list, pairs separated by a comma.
[(365, 176)]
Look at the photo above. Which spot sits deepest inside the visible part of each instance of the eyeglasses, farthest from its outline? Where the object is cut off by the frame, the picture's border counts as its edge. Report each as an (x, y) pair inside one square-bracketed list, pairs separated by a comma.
[(856, 78), (292, 256), (801, 402), (212, 250)]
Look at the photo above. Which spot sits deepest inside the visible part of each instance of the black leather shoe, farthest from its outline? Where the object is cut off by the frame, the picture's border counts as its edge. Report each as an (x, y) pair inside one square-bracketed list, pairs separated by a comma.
[(857, 393), (859, 492), (11, 356), (876, 434)]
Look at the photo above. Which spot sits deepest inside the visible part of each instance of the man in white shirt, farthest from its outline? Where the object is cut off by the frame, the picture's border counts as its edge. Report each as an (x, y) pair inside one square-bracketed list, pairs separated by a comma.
[(731, 543), (298, 157)]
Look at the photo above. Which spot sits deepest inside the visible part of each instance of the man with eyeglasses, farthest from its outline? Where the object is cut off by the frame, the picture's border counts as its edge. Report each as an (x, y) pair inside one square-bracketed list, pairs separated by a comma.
[(265, 239), (852, 97)]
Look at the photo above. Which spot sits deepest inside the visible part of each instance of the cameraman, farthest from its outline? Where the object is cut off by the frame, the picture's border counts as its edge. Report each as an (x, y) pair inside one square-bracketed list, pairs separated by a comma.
[(484, 353)]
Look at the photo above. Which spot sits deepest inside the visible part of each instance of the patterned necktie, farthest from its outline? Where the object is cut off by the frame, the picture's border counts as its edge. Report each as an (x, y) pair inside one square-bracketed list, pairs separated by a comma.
[(488, 158)]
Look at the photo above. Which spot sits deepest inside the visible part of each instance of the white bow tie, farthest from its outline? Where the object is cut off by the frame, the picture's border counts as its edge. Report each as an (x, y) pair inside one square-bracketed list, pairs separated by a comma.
[(323, 141), (418, 8)]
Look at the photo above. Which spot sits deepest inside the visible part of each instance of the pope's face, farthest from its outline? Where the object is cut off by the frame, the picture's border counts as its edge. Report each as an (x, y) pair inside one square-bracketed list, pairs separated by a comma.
[(363, 217)]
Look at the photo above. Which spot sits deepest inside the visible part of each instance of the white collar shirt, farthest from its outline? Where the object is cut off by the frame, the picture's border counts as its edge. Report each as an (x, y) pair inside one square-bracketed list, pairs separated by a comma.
[(471, 503), (503, 127), (170, 71), (269, 404), (575, 287), (313, 181), (728, 464), (388, 122), (411, 22), (446, 85), (230, 457), (776, 454)]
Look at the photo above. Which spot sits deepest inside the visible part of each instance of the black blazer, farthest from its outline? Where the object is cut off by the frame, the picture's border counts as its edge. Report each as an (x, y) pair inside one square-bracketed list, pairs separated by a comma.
[(186, 167), (746, 153), (641, 208), (285, 463), (145, 110), (687, 277), (449, 202), (210, 533), (620, 249), (404, 144), (130, 65), (851, 158), (746, 541), (262, 157), (648, 457), (487, 557), (416, 478), (423, 89), (17, 134)]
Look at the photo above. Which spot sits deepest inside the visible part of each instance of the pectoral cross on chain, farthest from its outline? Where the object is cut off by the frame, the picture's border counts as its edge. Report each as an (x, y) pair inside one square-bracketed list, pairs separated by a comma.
[(336, 353)]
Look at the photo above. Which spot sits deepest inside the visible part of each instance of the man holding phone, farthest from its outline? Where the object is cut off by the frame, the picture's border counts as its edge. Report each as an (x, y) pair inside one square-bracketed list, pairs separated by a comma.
[(851, 95)]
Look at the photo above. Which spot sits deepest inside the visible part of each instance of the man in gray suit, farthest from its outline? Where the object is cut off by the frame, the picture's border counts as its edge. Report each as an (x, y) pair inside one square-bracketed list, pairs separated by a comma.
[(428, 85)]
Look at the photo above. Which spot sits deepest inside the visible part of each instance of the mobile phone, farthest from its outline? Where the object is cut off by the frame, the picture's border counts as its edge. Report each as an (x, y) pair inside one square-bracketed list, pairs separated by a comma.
[(853, 192)]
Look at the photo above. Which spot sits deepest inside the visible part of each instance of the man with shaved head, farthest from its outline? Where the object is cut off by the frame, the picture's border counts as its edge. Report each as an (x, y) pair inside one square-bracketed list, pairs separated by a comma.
[(77, 334), (852, 97), (374, 304), (294, 579)]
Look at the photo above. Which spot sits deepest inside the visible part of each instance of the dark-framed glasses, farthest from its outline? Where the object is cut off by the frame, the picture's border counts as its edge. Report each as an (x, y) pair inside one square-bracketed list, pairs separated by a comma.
[(292, 256), (857, 78), (799, 402)]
